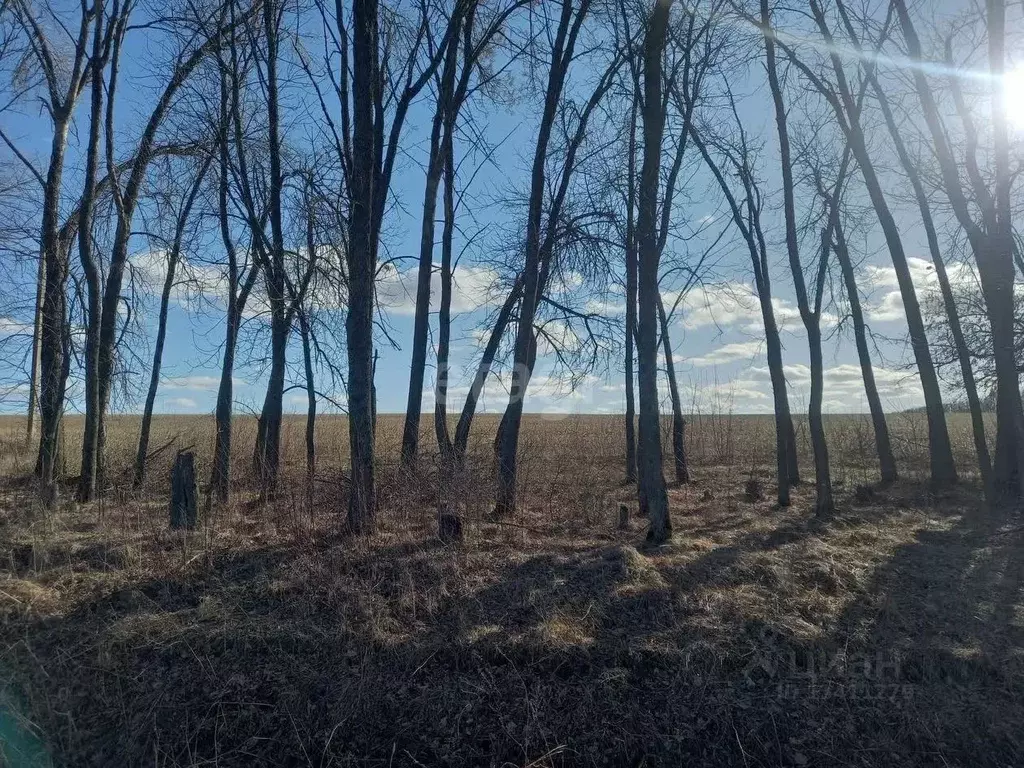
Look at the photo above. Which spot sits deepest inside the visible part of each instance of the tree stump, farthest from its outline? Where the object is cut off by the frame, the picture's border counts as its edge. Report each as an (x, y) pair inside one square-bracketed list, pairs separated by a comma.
[(183, 491), (623, 517), (449, 526)]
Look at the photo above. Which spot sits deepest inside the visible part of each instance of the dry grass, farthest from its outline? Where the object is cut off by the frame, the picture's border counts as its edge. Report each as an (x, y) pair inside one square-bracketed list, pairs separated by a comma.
[(891, 634)]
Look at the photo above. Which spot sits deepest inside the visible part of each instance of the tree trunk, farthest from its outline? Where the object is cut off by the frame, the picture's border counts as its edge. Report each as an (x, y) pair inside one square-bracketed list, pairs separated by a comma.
[(184, 501), (444, 315), (267, 453), (361, 257), (883, 446), (220, 479), (998, 279), (483, 370), (678, 422), (161, 332), (824, 503), (307, 359), (421, 324), (55, 362), (948, 300), (37, 340), (785, 440), (90, 441), (943, 467), (630, 331), (220, 476), (436, 164), (562, 53), (154, 375), (787, 473), (652, 494)]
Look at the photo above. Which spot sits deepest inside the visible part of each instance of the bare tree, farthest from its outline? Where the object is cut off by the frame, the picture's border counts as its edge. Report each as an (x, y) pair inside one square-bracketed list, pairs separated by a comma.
[(844, 105), (630, 315), (181, 221), (883, 445), (833, 203), (241, 275), (540, 240), (436, 165), (63, 83), (737, 158), (810, 315), (473, 52), (194, 50), (651, 486), (361, 260), (990, 238), (90, 265)]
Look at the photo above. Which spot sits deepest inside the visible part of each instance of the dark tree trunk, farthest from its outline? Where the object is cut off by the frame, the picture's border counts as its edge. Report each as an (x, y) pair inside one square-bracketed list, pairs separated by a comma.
[(307, 360), (847, 111), (561, 57), (883, 446), (51, 335), (267, 453), (161, 331), (787, 469), (949, 302), (37, 340), (444, 316), (678, 422), (484, 369), (184, 501), (436, 164), (630, 330), (55, 359), (154, 374), (750, 228), (220, 477), (943, 468), (652, 493), (90, 444), (361, 258), (824, 503), (421, 323), (998, 279)]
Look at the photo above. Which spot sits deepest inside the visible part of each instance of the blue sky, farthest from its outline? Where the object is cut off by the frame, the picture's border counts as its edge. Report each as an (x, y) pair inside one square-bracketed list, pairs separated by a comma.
[(717, 335)]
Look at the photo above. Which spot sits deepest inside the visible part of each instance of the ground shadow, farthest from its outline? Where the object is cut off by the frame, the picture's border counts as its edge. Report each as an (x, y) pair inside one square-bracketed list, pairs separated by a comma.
[(737, 645)]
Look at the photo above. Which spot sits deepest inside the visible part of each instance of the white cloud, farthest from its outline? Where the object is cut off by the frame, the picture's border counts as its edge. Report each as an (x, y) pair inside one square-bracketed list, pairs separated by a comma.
[(844, 384), (471, 289), (888, 307), (191, 280), (736, 304), (729, 353)]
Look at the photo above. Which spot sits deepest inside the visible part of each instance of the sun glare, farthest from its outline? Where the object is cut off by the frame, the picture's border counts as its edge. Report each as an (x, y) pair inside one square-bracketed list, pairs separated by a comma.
[(1013, 93)]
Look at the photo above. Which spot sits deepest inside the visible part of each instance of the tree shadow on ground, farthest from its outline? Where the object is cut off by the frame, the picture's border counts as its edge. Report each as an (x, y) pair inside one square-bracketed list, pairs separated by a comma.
[(743, 649)]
